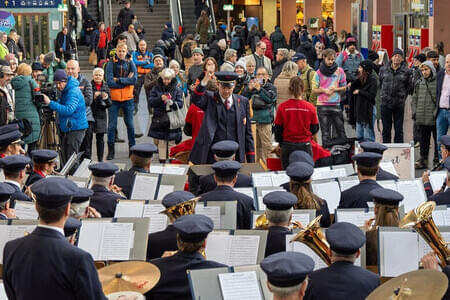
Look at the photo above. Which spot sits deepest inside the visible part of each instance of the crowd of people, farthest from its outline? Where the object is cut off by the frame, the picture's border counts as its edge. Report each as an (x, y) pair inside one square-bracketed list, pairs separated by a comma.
[(240, 96)]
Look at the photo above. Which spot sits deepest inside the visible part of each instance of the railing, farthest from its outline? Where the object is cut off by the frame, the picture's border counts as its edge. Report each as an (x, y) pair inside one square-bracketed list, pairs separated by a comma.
[(175, 13), (212, 17)]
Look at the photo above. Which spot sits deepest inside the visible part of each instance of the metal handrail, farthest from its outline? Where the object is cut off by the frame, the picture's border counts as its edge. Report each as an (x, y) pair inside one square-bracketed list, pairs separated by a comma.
[(212, 16), (175, 13), (180, 15)]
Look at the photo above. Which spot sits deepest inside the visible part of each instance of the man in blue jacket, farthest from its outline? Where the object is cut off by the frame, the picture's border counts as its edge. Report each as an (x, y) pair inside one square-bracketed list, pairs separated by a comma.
[(71, 111)]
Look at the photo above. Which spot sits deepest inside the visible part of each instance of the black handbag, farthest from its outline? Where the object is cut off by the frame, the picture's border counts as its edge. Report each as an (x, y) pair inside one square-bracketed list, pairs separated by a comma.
[(258, 103), (160, 121)]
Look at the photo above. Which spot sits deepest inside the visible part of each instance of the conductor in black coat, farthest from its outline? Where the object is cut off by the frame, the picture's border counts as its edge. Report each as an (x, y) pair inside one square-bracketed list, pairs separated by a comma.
[(227, 117), (445, 150), (14, 170), (223, 150), (166, 240), (358, 195), (43, 264), (279, 215), (225, 175), (378, 148), (192, 231), (342, 280), (104, 199), (141, 158)]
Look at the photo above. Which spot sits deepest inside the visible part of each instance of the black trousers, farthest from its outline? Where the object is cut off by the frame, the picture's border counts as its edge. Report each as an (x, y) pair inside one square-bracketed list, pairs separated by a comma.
[(100, 142), (86, 146), (101, 53), (391, 115), (331, 122), (137, 90), (287, 148), (425, 135)]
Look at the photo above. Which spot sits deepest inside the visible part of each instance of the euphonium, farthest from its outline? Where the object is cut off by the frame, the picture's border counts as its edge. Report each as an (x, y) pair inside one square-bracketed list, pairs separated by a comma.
[(314, 238), (421, 220), (181, 209)]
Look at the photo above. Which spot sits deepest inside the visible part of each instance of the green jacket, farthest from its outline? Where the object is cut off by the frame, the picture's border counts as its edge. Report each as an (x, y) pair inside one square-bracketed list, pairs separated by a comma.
[(3, 50), (25, 109), (50, 71), (268, 94), (307, 75), (424, 102)]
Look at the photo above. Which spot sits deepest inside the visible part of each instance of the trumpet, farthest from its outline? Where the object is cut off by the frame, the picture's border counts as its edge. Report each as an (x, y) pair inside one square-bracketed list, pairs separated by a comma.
[(181, 209)]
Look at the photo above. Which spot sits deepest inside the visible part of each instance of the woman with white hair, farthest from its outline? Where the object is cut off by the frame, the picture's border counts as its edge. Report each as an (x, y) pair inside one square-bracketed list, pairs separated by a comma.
[(179, 76), (165, 96)]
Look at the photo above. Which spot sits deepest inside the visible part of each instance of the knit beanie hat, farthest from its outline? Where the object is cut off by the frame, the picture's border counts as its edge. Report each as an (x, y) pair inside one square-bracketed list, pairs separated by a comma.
[(367, 66), (241, 63), (373, 56), (430, 65), (421, 57), (398, 51)]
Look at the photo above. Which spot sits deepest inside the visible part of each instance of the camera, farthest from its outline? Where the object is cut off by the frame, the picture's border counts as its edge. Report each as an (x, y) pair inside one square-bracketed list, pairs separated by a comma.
[(46, 88)]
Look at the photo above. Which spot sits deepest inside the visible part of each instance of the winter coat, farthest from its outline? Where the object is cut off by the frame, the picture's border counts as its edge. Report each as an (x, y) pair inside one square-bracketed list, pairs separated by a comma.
[(25, 108), (307, 48), (3, 50), (125, 17), (394, 85), (50, 71), (4, 108), (217, 53), (282, 86), (362, 103), (98, 110), (252, 39), (202, 29), (121, 90), (167, 34), (350, 64), (154, 100), (12, 47), (267, 93), (220, 34), (323, 39), (70, 44), (70, 107), (294, 40), (86, 89), (278, 67), (278, 40), (307, 75), (269, 50), (424, 105), (151, 79)]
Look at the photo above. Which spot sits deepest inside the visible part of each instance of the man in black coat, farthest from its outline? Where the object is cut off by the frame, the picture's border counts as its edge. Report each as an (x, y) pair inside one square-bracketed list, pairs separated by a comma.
[(278, 212), (43, 264), (14, 170), (445, 150), (192, 231), (358, 195), (294, 38), (227, 117), (223, 150), (64, 45), (378, 148), (225, 174), (281, 57), (166, 240), (342, 280), (104, 199), (141, 158), (125, 16)]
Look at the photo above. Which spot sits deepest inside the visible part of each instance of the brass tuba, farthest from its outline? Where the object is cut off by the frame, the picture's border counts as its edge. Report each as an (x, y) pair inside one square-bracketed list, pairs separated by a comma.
[(421, 220), (314, 238), (263, 223), (181, 209)]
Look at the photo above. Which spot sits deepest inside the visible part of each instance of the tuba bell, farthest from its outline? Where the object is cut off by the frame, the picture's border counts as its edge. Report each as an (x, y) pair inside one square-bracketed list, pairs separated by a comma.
[(314, 238), (181, 209), (421, 220)]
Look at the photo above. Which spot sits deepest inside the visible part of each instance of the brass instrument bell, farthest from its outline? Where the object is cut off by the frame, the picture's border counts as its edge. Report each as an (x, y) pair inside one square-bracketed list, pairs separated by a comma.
[(181, 209)]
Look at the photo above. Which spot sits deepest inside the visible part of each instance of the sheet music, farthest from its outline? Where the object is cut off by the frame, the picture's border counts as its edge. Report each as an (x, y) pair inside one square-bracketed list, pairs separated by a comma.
[(129, 209), (441, 217), (399, 253), (280, 178), (302, 218), (80, 184), (424, 248), (349, 170), (144, 187), (164, 189), (388, 184), (246, 191), (346, 184), (261, 205), (69, 164), (356, 217), (388, 166), (437, 179), (233, 250), (156, 169), (26, 211), (240, 286), (262, 179), (323, 173), (211, 211), (174, 170), (302, 248), (158, 222), (3, 292), (413, 193), (329, 191), (83, 169), (12, 232)]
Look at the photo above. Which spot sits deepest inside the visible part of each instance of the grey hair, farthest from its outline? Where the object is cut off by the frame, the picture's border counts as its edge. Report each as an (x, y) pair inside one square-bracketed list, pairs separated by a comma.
[(104, 181), (290, 69), (284, 292), (283, 52), (167, 73), (98, 70), (352, 257), (77, 210), (258, 44), (229, 53), (173, 62), (278, 216)]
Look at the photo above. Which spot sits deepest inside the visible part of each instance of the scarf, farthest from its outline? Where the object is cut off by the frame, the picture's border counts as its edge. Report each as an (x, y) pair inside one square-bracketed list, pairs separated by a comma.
[(328, 71)]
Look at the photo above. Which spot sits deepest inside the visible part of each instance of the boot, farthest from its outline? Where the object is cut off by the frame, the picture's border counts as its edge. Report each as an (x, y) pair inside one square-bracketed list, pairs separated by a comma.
[(110, 152)]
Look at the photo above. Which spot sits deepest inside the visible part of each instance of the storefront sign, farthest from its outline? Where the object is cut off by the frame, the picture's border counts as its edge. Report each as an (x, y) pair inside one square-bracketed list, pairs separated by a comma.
[(7, 21), (29, 3)]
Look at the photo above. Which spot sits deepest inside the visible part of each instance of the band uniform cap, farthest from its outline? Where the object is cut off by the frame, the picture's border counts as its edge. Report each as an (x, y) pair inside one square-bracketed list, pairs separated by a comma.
[(5, 192), (44, 155), (445, 140), (386, 196), (177, 197), (14, 162), (345, 238), (10, 134), (373, 147), (225, 148), (82, 195), (226, 79), (226, 168), (193, 228), (286, 269), (53, 192), (144, 150), (71, 226), (300, 171), (367, 159), (301, 156), (279, 200), (298, 56), (103, 169)]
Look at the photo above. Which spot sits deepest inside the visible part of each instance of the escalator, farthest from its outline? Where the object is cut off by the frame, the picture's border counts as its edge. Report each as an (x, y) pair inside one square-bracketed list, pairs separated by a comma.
[(183, 13)]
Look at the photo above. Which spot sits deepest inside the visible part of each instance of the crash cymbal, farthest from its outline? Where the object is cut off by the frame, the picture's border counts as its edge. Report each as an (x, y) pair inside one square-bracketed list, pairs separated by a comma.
[(416, 285), (136, 276)]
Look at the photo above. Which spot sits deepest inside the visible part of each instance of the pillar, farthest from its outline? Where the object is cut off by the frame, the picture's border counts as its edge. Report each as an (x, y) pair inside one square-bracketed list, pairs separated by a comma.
[(439, 25), (342, 15), (382, 12), (313, 9), (269, 15), (288, 16)]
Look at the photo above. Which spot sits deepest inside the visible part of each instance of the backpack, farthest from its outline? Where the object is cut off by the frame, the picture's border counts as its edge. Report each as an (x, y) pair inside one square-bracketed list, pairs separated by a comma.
[(186, 51), (236, 43)]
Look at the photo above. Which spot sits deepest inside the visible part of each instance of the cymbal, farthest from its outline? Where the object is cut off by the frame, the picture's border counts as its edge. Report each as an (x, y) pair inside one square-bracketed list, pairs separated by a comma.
[(135, 276), (421, 284)]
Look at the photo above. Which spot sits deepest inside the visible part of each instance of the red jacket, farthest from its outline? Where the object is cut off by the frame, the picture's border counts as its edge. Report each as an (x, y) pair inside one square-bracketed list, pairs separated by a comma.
[(269, 49)]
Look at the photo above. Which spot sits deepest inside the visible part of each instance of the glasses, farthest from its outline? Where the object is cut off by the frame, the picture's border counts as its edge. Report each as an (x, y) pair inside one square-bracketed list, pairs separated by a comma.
[(263, 49), (261, 74)]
